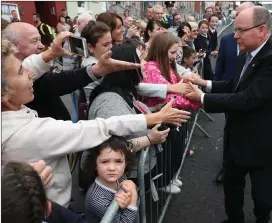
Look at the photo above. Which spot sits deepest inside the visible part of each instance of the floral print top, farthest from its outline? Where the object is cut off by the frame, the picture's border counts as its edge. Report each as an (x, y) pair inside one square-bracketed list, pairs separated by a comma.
[(153, 76)]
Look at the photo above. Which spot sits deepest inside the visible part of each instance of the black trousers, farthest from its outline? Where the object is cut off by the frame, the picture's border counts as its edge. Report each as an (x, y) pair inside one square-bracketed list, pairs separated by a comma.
[(261, 191)]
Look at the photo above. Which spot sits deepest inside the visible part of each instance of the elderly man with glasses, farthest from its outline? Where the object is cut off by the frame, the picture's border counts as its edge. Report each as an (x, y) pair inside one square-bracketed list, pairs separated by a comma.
[(157, 12), (247, 100)]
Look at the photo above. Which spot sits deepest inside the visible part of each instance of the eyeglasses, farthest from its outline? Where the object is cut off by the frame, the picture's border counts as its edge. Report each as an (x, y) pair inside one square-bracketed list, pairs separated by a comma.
[(242, 31), (158, 13)]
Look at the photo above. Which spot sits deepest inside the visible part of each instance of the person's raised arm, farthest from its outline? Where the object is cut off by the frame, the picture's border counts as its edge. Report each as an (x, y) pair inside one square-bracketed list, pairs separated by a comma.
[(68, 81), (41, 63)]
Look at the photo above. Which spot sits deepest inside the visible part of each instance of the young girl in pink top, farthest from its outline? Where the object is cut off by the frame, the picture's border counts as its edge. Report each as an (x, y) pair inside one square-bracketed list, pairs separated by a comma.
[(161, 69)]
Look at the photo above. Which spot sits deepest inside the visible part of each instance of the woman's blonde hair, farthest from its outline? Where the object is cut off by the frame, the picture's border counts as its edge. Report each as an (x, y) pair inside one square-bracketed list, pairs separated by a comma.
[(7, 48), (158, 51)]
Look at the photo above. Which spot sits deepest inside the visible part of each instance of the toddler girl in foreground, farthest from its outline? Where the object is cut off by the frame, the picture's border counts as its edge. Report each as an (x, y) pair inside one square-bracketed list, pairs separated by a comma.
[(108, 162)]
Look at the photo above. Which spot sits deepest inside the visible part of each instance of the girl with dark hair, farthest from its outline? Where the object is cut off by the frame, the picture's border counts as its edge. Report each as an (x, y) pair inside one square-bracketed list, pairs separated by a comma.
[(183, 32), (62, 25), (115, 23), (152, 29), (107, 164), (189, 58)]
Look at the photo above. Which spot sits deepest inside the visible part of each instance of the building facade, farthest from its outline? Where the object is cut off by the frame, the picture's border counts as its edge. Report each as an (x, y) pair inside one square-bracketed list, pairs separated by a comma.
[(92, 7), (48, 10)]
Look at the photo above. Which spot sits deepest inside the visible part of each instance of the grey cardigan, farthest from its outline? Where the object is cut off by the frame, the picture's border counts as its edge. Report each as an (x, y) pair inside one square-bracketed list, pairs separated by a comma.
[(110, 104)]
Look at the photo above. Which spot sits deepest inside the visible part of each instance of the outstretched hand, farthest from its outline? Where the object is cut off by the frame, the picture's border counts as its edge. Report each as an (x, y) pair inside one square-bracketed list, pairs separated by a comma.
[(195, 94), (180, 88), (172, 115), (195, 79), (107, 65)]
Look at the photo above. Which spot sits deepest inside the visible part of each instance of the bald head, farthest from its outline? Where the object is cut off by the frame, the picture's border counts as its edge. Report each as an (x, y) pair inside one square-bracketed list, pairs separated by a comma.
[(256, 15), (253, 28), (244, 5), (25, 36), (18, 30), (190, 18)]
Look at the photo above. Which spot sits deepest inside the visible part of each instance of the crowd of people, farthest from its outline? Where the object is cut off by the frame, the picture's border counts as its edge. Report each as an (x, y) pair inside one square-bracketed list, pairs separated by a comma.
[(139, 75)]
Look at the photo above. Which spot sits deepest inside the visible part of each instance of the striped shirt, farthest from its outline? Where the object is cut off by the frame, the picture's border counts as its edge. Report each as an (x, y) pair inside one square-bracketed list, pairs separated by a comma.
[(99, 198)]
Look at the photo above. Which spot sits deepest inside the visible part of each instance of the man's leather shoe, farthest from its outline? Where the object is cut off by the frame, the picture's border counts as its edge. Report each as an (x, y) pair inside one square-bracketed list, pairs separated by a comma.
[(220, 176)]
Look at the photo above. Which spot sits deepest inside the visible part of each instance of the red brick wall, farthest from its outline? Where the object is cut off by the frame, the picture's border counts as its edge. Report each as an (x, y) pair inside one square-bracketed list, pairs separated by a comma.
[(198, 7)]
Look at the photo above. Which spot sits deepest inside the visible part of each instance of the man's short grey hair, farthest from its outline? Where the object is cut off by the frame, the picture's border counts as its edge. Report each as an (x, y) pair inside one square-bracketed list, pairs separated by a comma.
[(83, 16), (10, 34), (157, 7), (261, 15)]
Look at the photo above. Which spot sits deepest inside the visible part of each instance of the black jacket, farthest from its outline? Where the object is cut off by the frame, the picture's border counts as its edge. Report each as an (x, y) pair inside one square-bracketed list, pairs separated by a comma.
[(213, 40), (49, 88), (249, 109), (61, 214), (203, 43)]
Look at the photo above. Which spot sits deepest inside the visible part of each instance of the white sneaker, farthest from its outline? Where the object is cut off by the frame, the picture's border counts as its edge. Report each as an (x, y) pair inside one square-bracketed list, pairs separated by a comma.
[(172, 189), (177, 182)]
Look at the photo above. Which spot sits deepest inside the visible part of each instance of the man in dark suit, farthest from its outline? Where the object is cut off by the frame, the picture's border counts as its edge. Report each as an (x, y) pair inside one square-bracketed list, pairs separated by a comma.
[(247, 100), (228, 52)]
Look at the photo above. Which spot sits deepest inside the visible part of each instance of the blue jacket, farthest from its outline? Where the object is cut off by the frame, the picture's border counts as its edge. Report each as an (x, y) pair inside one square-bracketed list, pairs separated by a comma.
[(226, 61)]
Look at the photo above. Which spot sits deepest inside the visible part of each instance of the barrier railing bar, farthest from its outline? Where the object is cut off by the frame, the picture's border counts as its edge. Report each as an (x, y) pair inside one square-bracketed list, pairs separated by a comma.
[(206, 114), (165, 208), (188, 143), (111, 212), (203, 130), (142, 185)]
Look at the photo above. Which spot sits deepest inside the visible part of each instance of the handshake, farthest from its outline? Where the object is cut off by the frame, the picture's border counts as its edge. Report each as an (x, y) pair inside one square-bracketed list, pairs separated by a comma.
[(187, 86)]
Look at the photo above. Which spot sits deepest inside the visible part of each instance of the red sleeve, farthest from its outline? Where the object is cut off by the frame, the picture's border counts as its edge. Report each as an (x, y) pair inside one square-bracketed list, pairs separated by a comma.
[(153, 76)]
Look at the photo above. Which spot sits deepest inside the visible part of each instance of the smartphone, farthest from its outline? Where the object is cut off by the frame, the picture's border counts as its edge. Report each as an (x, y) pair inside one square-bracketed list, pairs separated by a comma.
[(78, 46)]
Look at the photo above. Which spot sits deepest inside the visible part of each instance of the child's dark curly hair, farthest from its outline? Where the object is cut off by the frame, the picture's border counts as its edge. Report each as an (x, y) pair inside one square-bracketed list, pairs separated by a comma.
[(117, 144)]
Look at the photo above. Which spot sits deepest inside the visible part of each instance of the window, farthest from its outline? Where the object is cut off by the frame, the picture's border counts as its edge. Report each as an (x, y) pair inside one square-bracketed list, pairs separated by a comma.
[(81, 4), (6, 9)]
